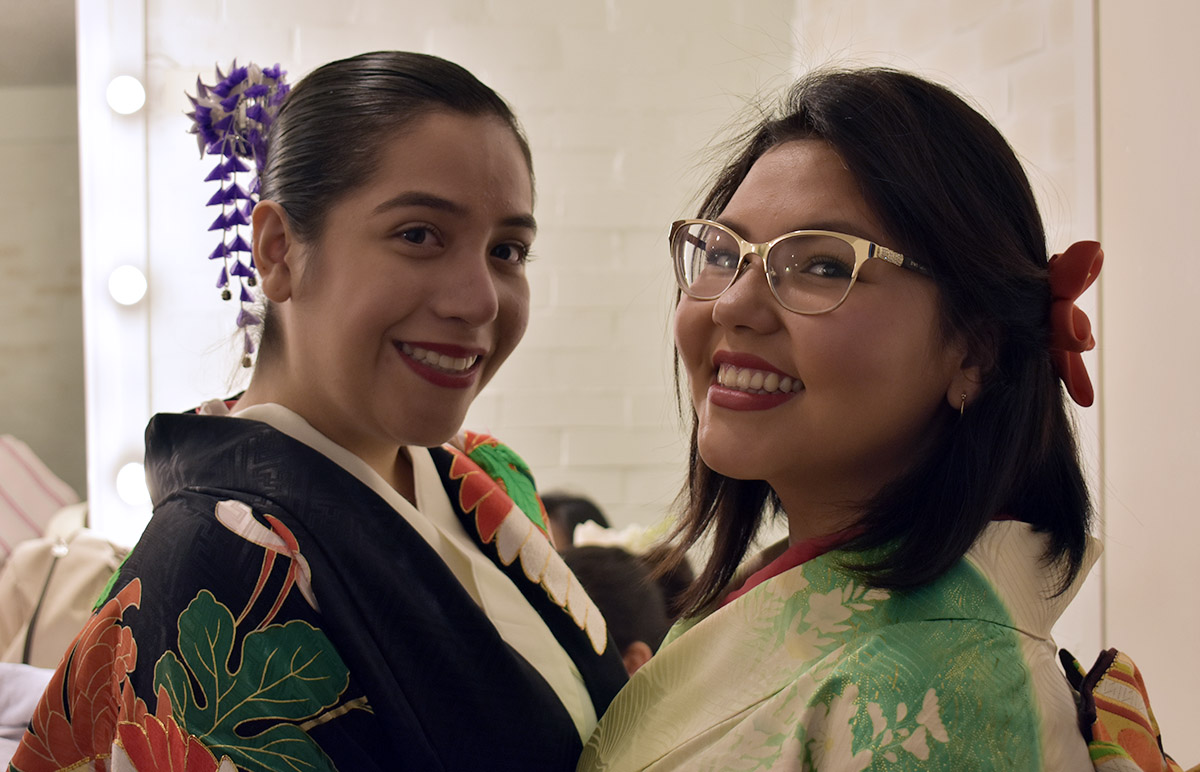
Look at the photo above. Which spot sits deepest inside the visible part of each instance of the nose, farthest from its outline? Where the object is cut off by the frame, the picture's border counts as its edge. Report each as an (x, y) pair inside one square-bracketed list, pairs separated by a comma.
[(748, 303), (467, 290)]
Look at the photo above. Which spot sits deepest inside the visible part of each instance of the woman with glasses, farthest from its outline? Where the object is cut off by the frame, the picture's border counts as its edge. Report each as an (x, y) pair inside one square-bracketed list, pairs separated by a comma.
[(873, 340)]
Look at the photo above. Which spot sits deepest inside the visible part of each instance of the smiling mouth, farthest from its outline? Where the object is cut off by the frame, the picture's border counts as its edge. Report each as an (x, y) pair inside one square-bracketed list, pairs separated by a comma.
[(443, 362), (757, 381)]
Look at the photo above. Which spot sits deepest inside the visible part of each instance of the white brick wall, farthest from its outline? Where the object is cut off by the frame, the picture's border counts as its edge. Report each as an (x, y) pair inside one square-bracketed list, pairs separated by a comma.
[(1018, 61), (620, 98), (41, 347)]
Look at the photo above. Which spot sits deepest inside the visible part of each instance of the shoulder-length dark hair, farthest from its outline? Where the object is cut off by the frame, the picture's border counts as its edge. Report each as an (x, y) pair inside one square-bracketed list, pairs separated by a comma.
[(947, 186), (329, 132)]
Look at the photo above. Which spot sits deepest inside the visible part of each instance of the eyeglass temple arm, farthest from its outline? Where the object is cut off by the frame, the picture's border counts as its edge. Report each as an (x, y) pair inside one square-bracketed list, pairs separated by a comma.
[(897, 259)]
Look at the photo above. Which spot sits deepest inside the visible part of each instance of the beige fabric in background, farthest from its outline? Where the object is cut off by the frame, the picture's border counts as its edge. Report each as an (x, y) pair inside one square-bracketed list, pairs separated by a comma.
[(84, 565)]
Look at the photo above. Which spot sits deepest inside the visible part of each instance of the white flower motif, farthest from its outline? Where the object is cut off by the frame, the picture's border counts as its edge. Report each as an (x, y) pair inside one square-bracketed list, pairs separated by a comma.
[(916, 744), (930, 717), (806, 645), (878, 722), (830, 736), (239, 518), (826, 612)]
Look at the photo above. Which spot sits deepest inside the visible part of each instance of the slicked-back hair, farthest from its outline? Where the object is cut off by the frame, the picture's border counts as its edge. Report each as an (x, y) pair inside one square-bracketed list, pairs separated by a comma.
[(949, 189), (329, 133)]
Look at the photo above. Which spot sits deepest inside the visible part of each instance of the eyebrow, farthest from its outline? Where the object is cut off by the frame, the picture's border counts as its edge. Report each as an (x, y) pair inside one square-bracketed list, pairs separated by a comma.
[(431, 201)]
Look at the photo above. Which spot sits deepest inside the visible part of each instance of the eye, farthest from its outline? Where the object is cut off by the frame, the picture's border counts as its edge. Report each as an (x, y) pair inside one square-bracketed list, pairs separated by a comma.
[(418, 234), (826, 268), (808, 258), (722, 258), (511, 253)]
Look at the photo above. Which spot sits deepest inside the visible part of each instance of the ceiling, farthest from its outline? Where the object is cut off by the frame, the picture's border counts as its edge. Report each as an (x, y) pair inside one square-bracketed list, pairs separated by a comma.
[(37, 43)]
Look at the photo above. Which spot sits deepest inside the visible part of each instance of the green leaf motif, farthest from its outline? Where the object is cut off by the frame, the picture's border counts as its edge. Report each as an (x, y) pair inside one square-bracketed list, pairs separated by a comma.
[(288, 672), (502, 463)]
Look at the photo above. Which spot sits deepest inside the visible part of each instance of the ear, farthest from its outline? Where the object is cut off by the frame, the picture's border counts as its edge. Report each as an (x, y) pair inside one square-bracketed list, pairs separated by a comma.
[(974, 362), (635, 655), (275, 249)]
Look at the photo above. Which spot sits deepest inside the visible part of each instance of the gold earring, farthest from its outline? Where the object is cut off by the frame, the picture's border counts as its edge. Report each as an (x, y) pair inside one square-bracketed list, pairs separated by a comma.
[(962, 406)]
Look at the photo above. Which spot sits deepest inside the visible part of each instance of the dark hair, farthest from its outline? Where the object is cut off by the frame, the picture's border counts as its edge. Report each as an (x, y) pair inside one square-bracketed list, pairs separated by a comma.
[(570, 510), (674, 578), (326, 139), (620, 583), (946, 185)]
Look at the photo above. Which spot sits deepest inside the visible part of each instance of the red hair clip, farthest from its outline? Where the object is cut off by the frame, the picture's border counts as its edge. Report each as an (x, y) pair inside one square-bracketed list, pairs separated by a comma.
[(1071, 273)]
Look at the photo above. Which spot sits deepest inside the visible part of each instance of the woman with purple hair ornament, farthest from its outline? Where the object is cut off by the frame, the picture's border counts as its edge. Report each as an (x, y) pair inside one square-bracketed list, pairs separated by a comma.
[(335, 578)]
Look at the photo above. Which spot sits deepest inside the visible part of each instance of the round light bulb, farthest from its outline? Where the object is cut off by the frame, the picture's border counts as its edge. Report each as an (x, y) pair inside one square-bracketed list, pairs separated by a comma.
[(131, 484), (125, 94), (127, 285)]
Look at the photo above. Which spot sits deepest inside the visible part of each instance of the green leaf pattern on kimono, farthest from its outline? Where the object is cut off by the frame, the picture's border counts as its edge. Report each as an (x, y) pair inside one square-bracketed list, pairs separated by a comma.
[(822, 720), (288, 672)]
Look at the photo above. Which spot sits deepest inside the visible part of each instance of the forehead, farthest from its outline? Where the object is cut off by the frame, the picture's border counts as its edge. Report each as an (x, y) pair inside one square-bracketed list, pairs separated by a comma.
[(796, 185), (463, 158)]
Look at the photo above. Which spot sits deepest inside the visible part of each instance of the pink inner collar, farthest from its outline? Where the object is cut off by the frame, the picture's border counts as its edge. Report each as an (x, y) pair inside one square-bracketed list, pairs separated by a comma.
[(793, 556)]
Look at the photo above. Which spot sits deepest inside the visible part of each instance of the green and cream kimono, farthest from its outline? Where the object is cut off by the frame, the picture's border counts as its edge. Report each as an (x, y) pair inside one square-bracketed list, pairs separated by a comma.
[(810, 670)]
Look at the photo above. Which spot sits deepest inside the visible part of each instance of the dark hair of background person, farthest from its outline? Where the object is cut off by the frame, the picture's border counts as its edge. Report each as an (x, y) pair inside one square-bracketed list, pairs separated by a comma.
[(620, 583), (674, 578), (948, 188), (565, 511), (328, 135)]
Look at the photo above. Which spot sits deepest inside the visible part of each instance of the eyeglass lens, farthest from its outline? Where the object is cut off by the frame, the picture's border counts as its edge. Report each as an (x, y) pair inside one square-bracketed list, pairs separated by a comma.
[(809, 273)]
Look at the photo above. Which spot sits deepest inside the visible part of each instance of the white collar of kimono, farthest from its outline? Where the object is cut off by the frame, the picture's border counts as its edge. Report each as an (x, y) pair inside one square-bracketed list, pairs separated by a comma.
[(434, 519), (1009, 553)]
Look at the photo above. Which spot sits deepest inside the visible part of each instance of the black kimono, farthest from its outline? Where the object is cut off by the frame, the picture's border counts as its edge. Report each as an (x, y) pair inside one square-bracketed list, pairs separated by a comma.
[(278, 614)]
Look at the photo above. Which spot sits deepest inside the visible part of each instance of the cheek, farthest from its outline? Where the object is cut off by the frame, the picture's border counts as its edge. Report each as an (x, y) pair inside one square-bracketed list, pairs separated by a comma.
[(861, 349), (513, 316), (693, 327)]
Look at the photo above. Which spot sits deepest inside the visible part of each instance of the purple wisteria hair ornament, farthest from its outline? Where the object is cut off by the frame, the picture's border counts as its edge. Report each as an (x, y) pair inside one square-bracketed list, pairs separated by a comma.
[(231, 119)]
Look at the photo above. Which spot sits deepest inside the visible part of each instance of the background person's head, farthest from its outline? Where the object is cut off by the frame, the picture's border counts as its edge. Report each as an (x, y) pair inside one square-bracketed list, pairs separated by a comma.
[(395, 217), (943, 185), (567, 510), (631, 601)]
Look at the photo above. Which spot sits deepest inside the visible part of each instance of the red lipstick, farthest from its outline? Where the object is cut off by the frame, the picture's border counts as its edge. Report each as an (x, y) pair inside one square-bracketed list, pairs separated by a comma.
[(437, 376), (737, 399)]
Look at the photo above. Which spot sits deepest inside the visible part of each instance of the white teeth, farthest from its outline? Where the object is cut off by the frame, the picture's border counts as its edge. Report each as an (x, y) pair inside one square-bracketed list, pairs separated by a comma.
[(745, 379), (440, 361)]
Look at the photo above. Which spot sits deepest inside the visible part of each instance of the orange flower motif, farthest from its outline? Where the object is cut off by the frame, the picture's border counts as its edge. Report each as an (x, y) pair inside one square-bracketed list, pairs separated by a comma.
[(518, 536), (161, 746), (480, 493), (89, 687)]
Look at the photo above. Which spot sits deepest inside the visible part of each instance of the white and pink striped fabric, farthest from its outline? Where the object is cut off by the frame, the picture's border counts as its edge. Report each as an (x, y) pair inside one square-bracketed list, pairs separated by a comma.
[(30, 494)]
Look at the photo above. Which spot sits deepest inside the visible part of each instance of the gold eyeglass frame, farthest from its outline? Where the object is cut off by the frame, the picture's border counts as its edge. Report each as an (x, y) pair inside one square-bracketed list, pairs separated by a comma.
[(864, 250)]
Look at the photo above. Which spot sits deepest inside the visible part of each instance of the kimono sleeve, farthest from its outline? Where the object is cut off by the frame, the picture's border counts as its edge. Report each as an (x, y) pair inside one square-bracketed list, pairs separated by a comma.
[(207, 650)]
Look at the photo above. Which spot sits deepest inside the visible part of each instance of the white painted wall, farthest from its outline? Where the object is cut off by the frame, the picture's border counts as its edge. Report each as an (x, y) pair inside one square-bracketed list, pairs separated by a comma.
[(618, 98), (1149, 129), (41, 343)]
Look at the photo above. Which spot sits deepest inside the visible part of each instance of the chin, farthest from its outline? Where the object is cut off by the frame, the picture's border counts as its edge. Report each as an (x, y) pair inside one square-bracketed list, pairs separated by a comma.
[(428, 433), (724, 460)]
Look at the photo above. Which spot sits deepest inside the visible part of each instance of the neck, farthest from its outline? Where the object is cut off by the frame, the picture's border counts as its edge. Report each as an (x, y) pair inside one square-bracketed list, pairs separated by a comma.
[(389, 460), (811, 519)]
